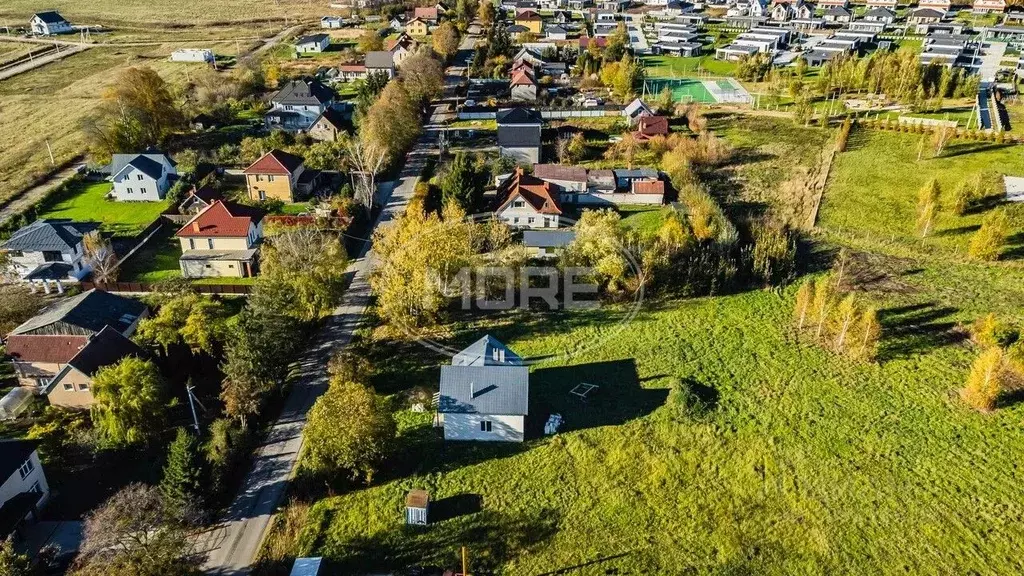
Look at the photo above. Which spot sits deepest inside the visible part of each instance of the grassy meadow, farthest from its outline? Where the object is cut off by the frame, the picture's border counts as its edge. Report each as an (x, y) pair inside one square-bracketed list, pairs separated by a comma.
[(787, 459), (871, 200), (49, 103), (176, 12)]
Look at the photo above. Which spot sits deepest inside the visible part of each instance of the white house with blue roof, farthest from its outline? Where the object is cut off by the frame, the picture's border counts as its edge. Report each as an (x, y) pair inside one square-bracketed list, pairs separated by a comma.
[(485, 394), (141, 177)]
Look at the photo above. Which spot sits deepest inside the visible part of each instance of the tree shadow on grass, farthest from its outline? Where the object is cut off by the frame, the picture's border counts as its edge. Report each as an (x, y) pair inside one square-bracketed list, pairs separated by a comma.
[(617, 399), (915, 329), (954, 150), (1014, 247), (958, 231), (493, 539)]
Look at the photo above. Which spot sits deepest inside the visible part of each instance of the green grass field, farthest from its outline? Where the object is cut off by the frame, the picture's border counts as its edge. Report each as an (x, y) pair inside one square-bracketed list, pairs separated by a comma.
[(87, 202), (803, 463), (871, 199), (685, 67)]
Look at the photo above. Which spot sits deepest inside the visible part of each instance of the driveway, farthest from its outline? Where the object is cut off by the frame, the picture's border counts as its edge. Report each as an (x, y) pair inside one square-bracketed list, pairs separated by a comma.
[(232, 545)]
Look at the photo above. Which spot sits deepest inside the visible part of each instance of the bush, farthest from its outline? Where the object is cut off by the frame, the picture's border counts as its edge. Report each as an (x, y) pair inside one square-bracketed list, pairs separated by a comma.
[(989, 331)]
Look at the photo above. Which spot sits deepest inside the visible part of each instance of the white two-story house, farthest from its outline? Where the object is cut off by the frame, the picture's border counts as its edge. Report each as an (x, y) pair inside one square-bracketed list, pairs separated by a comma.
[(48, 23), (49, 250), (141, 177), (298, 104), (525, 201), (23, 486), (484, 394), (221, 241)]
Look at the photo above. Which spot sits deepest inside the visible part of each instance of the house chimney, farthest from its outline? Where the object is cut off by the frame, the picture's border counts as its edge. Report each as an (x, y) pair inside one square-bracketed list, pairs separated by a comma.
[(501, 354), (472, 390), (494, 354), (195, 227)]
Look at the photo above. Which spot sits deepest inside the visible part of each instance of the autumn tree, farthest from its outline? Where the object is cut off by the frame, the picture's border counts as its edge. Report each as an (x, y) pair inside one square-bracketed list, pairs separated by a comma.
[(989, 240), (351, 428), (99, 255), (927, 206), (485, 12), (392, 123), (130, 401), (370, 41), (197, 321), (986, 379), (309, 266), (136, 532), (423, 77), (364, 163), (577, 148), (599, 245), (11, 562), (136, 112), (445, 40), (259, 348)]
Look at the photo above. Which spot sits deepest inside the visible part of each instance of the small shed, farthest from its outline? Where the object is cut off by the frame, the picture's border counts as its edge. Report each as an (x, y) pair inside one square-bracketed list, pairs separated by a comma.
[(417, 504)]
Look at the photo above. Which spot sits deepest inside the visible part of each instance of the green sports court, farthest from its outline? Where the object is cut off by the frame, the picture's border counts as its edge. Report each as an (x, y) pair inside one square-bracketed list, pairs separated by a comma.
[(683, 89)]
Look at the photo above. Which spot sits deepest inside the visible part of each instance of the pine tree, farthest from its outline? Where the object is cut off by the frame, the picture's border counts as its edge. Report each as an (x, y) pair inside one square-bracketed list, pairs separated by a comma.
[(927, 206), (182, 483), (985, 381)]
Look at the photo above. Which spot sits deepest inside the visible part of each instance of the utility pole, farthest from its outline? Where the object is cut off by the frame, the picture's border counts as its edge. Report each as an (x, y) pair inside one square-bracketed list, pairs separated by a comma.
[(465, 563)]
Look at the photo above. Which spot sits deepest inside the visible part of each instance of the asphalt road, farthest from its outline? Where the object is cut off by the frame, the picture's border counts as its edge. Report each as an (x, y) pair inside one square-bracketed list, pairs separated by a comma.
[(232, 545)]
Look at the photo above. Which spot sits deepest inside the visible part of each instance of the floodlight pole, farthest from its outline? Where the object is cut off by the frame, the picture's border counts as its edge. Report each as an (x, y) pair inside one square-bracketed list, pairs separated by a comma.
[(191, 404)]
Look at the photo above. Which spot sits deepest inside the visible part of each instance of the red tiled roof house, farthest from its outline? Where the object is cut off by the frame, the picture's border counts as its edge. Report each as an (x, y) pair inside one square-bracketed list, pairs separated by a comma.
[(221, 241), (528, 202), (276, 175), (650, 126)]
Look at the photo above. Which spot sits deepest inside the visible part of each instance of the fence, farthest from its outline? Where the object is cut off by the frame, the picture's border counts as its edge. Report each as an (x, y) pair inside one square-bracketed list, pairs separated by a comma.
[(490, 113), (145, 287)]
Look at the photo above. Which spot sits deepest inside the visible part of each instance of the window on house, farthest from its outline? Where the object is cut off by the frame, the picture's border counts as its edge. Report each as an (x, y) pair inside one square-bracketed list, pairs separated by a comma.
[(140, 177), (518, 204), (191, 243), (485, 425), (26, 468), (83, 387), (36, 489), (259, 178), (270, 178), (129, 190), (69, 387), (263, 195), (231, 266), (209, 266), (15, 253), (209, 242), (52, 256), (515, 220), (530, 220)]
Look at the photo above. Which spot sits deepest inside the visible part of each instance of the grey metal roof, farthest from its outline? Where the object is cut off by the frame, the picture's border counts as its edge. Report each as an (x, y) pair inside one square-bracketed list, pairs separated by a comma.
[(312, 39), (879, 12), (518, 116), (303, 93), (635, 107), (147, 166), (548, 238), (636, 173), (13, 454), (518, 136), (119, 161), (487, 351), (90, 311), (378, 59), (484, 390), (50, 17), (50, 235), (50, 271)]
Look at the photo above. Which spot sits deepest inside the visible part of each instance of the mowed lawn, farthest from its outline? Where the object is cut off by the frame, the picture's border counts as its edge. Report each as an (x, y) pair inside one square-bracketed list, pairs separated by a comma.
[(871, 198), (684, 67), (87, 202), (802, 464)]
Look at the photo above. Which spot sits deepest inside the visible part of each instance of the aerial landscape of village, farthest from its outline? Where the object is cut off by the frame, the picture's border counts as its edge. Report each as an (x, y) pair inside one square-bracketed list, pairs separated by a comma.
[(472, 287)]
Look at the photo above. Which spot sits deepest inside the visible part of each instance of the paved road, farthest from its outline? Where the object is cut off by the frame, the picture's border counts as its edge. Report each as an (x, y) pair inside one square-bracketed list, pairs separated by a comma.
[(233, 544), (35, 193)]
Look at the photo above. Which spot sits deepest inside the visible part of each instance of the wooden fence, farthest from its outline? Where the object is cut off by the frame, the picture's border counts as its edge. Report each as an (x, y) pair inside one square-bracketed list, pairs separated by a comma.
[(144, 287)]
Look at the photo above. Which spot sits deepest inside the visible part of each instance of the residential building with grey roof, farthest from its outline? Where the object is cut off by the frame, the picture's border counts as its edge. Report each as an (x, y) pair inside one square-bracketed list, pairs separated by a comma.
[(49, 250), (484, 394)]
